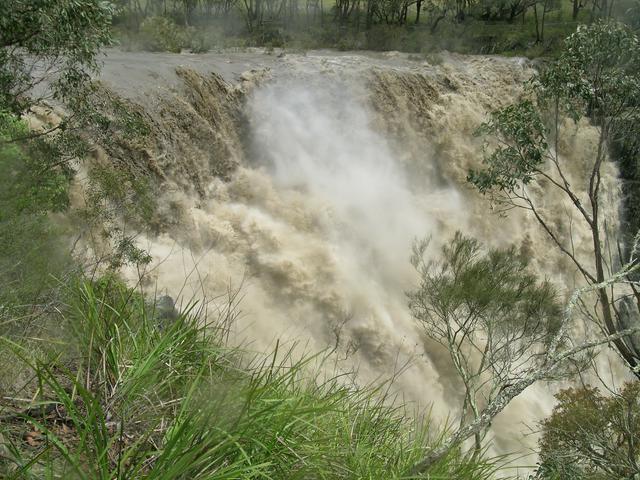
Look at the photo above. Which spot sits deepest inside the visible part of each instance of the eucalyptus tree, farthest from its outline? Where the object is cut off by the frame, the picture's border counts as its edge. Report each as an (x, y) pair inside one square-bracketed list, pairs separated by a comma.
[(49, 47), (596, 77)]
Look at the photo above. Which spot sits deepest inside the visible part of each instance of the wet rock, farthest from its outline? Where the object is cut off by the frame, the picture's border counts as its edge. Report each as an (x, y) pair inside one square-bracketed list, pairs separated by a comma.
[(165, 312)]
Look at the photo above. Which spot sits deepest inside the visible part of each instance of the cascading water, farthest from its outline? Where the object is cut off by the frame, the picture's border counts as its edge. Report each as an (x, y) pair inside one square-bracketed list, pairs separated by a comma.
[(347, 159)]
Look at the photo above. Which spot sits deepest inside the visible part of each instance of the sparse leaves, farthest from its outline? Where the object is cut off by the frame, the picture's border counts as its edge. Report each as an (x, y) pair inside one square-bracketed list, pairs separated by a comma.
[(489, 311), (595, 77), (520, 134)]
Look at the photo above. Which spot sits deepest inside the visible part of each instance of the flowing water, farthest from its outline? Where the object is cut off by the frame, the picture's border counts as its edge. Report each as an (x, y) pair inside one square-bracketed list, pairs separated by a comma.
[(307, 180)]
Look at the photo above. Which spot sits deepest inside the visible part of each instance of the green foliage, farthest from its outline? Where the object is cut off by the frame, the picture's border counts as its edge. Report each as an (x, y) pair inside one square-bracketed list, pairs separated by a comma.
[(491, 314), (521, 146), (490, 284), (486, 291), (31, 246), (596, 74), (592, 436), (126, 351), (161, 34), (61, 36), (108, 117), (113, 194), (119, 194), (27, 185), (116, 201)]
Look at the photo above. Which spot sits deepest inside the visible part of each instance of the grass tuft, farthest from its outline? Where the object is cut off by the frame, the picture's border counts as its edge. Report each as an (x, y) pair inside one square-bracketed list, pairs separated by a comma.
[(134, 393)]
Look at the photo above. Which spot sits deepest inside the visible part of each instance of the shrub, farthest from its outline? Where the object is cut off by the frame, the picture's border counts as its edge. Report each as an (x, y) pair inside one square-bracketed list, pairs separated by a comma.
[(591, 435), (161, 34), (31, 246)]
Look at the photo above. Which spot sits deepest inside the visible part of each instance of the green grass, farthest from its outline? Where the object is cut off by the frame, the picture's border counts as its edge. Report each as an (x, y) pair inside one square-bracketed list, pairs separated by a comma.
[(125, 394)]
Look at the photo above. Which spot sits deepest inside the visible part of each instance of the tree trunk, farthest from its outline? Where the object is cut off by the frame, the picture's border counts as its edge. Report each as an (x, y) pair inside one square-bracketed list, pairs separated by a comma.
[(475, 427), (437, 21), (535, 15), (369, 14), (418, 8), (544, 15)]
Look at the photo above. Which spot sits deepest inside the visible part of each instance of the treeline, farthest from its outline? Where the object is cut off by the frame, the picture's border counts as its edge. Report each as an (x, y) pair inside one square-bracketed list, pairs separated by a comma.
[(486, 26)]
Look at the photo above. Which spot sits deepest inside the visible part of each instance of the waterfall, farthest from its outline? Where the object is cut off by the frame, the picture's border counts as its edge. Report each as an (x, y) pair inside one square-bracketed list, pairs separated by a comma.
[(333, 165)]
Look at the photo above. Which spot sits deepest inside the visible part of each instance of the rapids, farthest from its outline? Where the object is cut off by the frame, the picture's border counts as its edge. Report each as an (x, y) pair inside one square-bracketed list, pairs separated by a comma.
[(304, 179)]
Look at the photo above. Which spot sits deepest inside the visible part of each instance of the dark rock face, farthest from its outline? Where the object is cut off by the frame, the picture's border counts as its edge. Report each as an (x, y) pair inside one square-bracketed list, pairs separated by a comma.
[(628, 317)]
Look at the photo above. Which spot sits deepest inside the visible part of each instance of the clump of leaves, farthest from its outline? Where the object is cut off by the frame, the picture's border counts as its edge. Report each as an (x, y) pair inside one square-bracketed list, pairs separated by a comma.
[(161, 34), (591, 435), (32, 185), (61, 37), (520, 132), (116, 200)]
